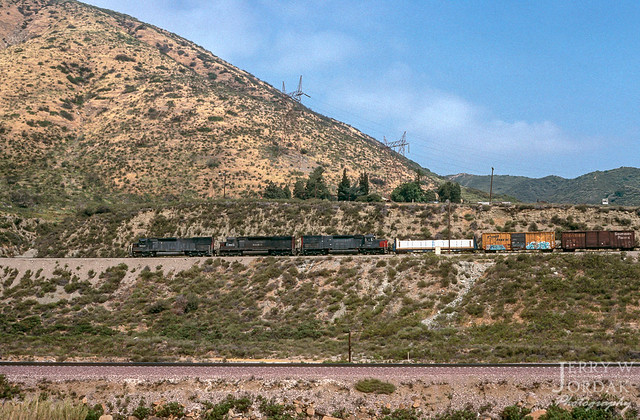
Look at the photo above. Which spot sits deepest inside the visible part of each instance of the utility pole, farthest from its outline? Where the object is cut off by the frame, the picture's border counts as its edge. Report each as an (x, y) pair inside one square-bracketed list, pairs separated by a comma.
[(224, 183), (350, 346), (449, 227), (491, 187)]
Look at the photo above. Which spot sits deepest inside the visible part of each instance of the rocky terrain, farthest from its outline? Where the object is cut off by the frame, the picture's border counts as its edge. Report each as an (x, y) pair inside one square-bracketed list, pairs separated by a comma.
[(442, 392)]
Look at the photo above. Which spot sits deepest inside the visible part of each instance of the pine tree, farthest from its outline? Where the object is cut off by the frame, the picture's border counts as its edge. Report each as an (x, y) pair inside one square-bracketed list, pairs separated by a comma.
[(363, 184), (316, 186), (344, 188), (299, 190)]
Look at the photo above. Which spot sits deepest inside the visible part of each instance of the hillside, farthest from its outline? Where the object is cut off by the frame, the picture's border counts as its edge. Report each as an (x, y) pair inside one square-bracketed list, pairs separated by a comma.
[(621, 186), (97, 106), (462, 309)]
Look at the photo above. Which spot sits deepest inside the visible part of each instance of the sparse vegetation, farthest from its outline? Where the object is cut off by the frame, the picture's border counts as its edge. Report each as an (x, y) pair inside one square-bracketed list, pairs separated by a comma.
[(375, 386)]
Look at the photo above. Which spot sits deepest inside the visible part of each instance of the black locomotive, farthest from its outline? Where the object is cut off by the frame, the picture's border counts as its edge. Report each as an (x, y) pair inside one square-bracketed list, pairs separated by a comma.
[(193, 247), (360, 244), (260, 245), (270, 245)]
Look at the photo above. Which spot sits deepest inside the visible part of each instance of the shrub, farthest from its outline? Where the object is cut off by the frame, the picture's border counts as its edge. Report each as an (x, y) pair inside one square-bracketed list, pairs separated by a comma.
[(173, 409), (66, 115), (220, 410), (375, 386), (7, 391), (95, 413), (273, 410), (124, 57), (141, 412), (465, 414), (513, 412), (402, 414)]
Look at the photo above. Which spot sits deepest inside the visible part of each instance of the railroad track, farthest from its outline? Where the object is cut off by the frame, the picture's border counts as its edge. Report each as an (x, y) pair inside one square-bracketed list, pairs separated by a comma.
[(290, 364), (33, 372)]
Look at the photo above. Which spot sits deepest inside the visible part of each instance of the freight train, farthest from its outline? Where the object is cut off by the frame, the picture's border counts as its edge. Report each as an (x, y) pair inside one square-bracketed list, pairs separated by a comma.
[(369, 244)]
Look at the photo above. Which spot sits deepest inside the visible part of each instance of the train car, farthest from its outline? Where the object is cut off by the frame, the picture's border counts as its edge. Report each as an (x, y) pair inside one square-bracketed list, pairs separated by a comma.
[(430, 245), (340, 244), (518, 241), (270, 245), (151, 247), (598, 239)]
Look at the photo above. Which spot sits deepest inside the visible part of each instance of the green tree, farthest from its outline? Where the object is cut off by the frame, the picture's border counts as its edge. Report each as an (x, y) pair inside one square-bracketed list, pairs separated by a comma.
[(450, 191), (363, 184), (411, 192), (316, 186), (273, 191), (344, 187), (299, 190)]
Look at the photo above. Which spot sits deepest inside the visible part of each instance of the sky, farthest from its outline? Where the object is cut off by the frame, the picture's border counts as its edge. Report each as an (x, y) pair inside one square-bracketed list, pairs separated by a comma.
[(531, 88)]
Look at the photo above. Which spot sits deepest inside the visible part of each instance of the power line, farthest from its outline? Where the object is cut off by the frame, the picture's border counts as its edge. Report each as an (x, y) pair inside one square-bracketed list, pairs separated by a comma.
[(399, 145), (437, 153)]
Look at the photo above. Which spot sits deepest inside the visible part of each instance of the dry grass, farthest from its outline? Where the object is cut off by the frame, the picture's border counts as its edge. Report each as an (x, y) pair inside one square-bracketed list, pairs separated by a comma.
[(37, 410)]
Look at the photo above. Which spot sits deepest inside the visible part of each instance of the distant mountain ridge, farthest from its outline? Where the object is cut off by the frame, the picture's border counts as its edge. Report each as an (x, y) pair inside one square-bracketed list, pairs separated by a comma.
[(620, 186)]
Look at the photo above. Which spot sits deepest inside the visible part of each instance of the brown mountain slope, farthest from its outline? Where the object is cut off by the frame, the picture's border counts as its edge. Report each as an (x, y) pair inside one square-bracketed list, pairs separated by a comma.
[(96, 104)]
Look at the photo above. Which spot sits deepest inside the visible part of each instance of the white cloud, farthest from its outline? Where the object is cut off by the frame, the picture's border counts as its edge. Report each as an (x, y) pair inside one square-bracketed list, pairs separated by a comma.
[(439, 123), (305, 51)]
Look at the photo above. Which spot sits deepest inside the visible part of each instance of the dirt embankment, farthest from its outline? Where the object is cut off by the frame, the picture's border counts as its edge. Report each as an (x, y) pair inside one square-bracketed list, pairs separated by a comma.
[(486, 391)]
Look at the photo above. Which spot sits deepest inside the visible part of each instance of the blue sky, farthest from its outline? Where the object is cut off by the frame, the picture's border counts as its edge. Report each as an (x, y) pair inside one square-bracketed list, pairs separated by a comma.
[(531, 88)]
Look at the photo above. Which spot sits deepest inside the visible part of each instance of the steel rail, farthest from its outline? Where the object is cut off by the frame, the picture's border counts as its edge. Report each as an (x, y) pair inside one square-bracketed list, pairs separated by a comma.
[(299, 364)]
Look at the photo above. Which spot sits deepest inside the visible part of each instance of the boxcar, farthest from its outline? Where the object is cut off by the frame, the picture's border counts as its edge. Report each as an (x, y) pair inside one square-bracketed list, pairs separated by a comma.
[(271, 245), (430, 245), (151, 247), (518, 241), (336, 244), (598, 239)]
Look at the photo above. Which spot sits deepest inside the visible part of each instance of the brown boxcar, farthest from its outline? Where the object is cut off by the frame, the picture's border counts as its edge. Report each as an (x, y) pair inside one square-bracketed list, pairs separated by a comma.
[(496, 241), (545, 241), (598, 239), (516, 241)]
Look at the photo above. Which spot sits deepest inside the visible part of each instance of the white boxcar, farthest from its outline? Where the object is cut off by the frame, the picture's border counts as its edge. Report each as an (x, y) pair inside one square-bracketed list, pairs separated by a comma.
[(430, 245)]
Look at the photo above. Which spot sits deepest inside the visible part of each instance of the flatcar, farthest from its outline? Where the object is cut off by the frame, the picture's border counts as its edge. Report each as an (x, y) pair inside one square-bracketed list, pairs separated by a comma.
[(598, 239), (340, 244), (431, 245), (269, 245), (518, 241), (151, 247)]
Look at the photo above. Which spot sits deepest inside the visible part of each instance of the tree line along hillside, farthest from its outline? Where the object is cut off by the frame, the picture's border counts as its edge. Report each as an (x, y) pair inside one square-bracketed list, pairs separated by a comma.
[(315, 187)]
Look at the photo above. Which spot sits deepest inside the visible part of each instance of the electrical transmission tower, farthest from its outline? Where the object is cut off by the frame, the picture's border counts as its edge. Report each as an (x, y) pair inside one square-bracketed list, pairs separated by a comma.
[(297, 94), (398, 146), (290, 116)]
